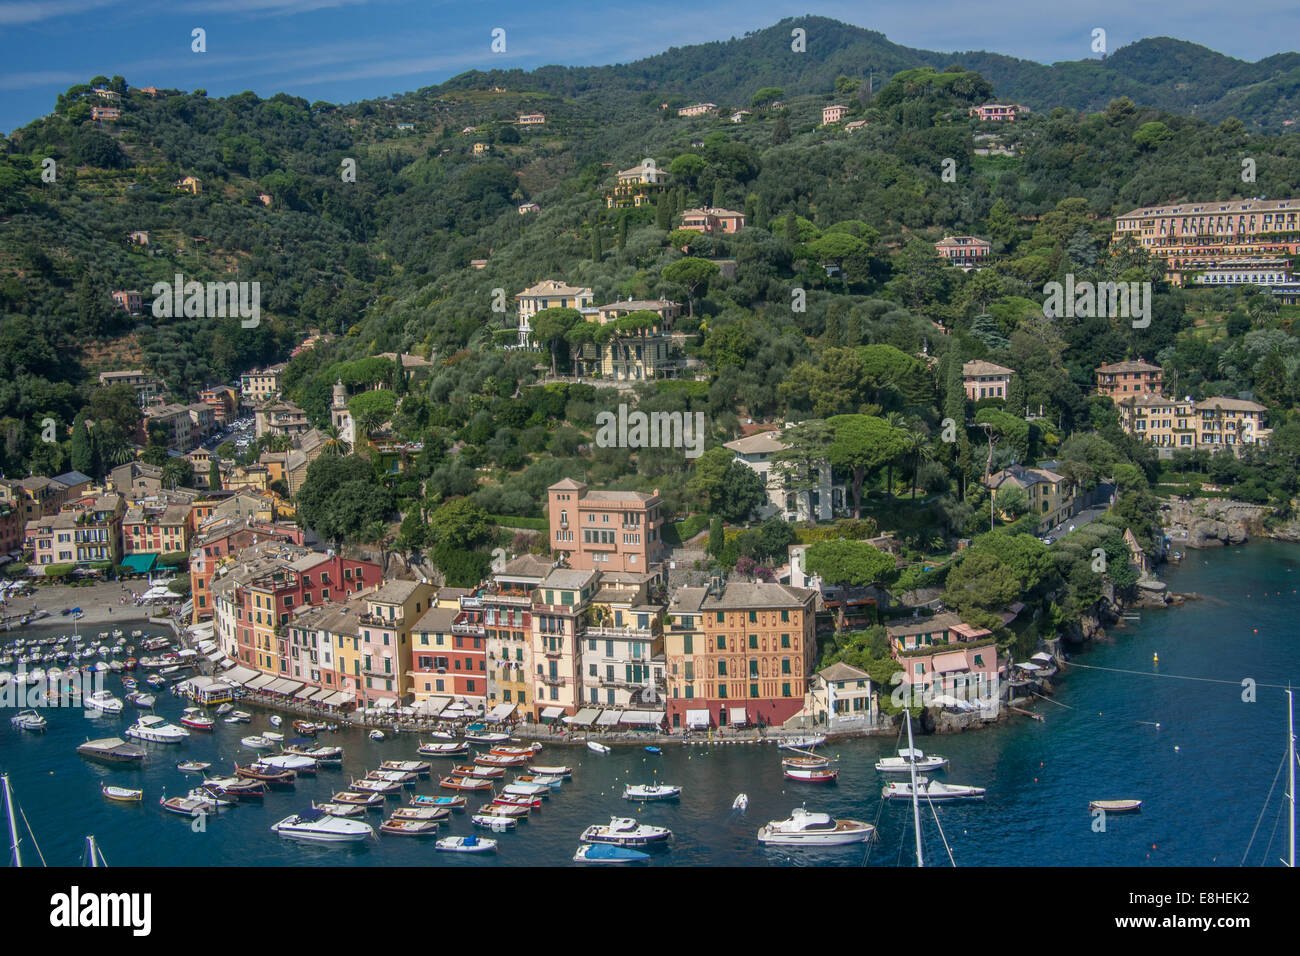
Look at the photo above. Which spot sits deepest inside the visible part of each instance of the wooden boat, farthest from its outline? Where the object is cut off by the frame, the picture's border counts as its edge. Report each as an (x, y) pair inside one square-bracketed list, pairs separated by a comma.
[(340, 809), (608, 853), (122, 794), (491, 822), (358, 799), (235, 788), (652, 792), (465, 783), (1115, 806), (305, 766), (445, 803), (500, 760), (305, 727), (271, 776), (513, 811), (803, 743), (806, 763), (473, 770), (399, 827), (525, 790), (192, 766), (551, 771), (419, 767), (540, 779), (386, 787), (465, 844), (517, 800), (452, 749), (393, 776), (515, 751), (596, 747), (811, 774), (197, 803), (435, 814)]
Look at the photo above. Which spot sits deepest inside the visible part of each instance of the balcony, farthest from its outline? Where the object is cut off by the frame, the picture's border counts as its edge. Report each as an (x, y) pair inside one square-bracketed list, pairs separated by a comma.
[(474, 630), (625, 633), (553, 681), (374, 620), (509, 598)]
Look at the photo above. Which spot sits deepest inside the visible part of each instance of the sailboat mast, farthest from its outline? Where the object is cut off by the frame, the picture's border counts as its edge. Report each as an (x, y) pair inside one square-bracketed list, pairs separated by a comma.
[(916, 806), (92, 850), (17, 858), (1290, 765)]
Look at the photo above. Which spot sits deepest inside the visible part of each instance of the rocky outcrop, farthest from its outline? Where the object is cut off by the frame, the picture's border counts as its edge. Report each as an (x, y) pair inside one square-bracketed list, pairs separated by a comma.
[(1211, 522)]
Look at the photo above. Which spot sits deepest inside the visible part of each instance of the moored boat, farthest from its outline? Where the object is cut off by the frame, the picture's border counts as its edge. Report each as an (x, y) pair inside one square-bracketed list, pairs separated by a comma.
[(156, 730), (103, 702), (651, 792), (298, 764), (515, 751), (29, 720), (121, 794), (1115, 806), (340, 809), (485, 737), (376, 735), (465, 783), (811, 774), (803, 743), (625, 831), (806, 828), (446, 803), (474, 770), (318, 826), (400, 827), (556, 771), (608, 853), (238, 717), (271, 776), (927, 789), (111, 750), (256, 742), (452, 749), (192, 766), (195, 718), (493, 822), (596, 747), (142, 700), (235, 788), (419, 767), (385, 787), (806, 763), (517, 800), (908, 758), (540, 779), (357, 799), (436, 814), (525, 790), (501, 760), (465, 844), (189, 806)]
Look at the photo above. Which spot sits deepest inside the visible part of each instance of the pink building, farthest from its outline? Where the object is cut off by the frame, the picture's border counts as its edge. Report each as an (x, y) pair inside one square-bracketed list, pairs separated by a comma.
[(999, 111), (605, 530), (833, 114), (943, 655), (712, 220), (964, 251)]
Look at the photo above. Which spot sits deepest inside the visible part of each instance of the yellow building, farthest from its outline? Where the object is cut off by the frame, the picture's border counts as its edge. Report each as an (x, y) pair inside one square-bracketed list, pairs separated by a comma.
[(1051, 497), (634, 355), (1164, 422), (559, 605), (1230, 423)]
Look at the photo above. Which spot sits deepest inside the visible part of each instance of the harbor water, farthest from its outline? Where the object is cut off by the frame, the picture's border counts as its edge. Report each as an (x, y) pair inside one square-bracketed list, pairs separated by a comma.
[(1204, 773)]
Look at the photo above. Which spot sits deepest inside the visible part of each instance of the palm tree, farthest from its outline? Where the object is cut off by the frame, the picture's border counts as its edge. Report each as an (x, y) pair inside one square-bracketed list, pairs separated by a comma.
[(918, 449), (369, 422), (334, 443)]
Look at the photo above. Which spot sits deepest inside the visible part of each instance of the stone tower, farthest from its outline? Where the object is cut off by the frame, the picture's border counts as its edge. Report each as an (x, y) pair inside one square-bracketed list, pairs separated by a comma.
[(340, 417)]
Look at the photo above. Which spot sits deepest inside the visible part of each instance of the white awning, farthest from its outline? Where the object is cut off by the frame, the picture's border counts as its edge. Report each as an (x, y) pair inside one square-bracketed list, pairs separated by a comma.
[(432, 706), (339, 698), (609, 718), (260, 681), (550, 713), (584, 718), (1043, 656), (737, 715), (215, 656), (640, 717), (697, 718), (1026, 666), (384, 703), (240, 675), (321, 694), (289, 687), (501, 712), (305, 693)]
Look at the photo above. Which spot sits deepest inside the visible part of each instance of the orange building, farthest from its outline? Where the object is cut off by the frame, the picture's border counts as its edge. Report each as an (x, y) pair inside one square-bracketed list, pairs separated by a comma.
[(605, 530), (1122, 379)]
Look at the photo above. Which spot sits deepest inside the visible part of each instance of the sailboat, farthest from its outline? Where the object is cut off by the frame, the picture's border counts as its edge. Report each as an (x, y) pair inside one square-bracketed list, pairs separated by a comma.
[(94, 856), (914, 790), (15, 851)]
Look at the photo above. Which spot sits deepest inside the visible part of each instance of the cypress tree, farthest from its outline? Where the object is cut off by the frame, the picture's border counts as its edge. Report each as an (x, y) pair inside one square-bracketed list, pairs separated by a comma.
[(717, 540), (214, 475)]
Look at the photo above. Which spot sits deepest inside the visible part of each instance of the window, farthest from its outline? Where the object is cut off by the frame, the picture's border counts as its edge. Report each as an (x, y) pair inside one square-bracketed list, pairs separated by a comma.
[(785, 617), (753, 690), (686, 645), (753, 617), (785, 690), (785, 665), (722, 691), (722, 642), (720, 617), (753, 667), (753, 642), (722, 668), (785, 640)]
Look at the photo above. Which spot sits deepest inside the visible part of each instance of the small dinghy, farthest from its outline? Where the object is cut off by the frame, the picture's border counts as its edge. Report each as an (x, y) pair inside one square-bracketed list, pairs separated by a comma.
[(192, 766), (400, 827), (238, 717), (608, 853), (1115, 806), (376, 735), (465, 844), (741, 802), (596, 747), (141, 700), (812, 774), (653, 750), (445, 803), (276, 720), (122, 794), (272, 736), (256, 742), (652, 792)]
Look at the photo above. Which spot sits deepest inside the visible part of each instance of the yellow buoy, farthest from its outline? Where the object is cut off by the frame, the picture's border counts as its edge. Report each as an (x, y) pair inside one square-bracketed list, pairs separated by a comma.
[(1155, 658)]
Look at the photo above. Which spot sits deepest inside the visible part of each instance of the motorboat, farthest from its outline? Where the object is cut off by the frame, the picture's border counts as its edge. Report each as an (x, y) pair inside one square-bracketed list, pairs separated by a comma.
[(154, 681), (238, 717), (142, 700), (485, 737), (272, 736), (525, 790), (651, 792), (446, 803), (908, 758), (218, 803), (224, 709), (376, 735), (194, 717), (393, 776), (192, 766), (517, 800), (122, 794), (305, 727), (354, 798), (1115, 806), (465, 844), (322, 755), (103, 702), (294, 762), (129, 683), (341, 809), (741, 802), (444, 750), (319, 826), (235, 787), (465, 783), (419, 767), (111, 750), (271, 776), (513, 811), (811, 774), (474, 770), (803, 743), (188, 806), (608, 853), (29, 720), (493, 822), (653, 750), (435, 814), (156, 730), (928, 789), (256, 742), (806, 828), (276, 720), (498, 760), (400, 827), (624, 831), (597, 747), (552, 771)]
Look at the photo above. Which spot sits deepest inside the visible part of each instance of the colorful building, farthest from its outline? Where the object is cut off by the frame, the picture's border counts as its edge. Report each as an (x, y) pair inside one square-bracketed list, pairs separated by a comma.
[(985, 380), (1122, 379), (605, 530), (558, 620)]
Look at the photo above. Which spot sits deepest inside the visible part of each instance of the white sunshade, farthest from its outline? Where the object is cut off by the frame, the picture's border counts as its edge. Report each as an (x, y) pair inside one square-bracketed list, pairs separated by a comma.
[(501, 711), (636, 717), (433, 706), (550, 713), (339, 698), (241, 675), (585, 717), (290, 687), (737, 715), (215, 656), (697, 718), (259, 682), (1043, 656), (609, 718), (321, 694), (305, 693), (384, 703), (1026, 666)]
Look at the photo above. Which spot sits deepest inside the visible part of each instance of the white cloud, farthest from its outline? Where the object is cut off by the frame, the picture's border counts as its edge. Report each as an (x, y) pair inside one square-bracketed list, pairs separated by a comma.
[(14, 14)]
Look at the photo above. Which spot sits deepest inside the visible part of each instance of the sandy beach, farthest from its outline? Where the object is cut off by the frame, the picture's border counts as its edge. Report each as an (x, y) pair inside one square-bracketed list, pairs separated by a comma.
[(100, 603)]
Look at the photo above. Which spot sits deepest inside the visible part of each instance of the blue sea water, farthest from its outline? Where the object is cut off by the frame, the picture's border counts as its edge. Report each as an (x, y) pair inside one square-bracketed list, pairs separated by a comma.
[(1204, 775)]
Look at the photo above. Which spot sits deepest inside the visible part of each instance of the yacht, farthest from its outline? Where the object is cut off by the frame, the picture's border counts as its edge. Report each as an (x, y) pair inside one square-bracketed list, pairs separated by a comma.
[(624, 831), (321, 827), (156, 730), (29, 720), (103, 701), (804, 828), (908, 758)]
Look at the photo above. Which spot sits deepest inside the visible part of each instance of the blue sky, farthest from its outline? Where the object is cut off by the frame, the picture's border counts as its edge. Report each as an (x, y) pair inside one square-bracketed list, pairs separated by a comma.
[(345, 50)]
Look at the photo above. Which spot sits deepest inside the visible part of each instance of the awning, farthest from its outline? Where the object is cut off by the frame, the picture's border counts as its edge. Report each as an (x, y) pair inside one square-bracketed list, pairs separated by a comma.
[(737, 715), (1026, 666), (275, 687), (585, 717), (433, 706), (1042, 656), (501, 712), (697, 718), (320, 695), (215, 656), (339, 698), (947, 663), (384, 703), (305, 694), (260, 681), (240, 675), (290, 687), (550, 713), (140, 563), (641, 717), (609, 718)]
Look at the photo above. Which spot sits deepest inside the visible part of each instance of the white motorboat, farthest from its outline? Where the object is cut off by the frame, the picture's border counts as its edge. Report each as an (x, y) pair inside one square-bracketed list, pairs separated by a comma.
[(606, 853), (295, 762), (272, 736), (525, 790), (927, 789), (321, 827), (29, 720), (485, 737), (741, 802), (651, 792), (102, 701), (493, 822), (624, 831), (803, 743), (556, 771), (276, 720), (376, 735), (142, 700), (908, 758), (465, 844), (238, 717), (256, 742), (156, 730), (597, 747), (804, 828)]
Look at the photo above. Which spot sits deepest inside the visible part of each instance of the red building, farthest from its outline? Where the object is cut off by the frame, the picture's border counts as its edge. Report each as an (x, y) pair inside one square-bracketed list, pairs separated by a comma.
[(449, 655)]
